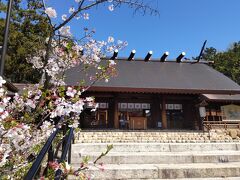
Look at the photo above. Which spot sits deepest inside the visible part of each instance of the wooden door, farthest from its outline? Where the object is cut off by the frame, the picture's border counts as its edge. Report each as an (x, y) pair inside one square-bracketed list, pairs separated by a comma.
[(102, 118), (174, 119)]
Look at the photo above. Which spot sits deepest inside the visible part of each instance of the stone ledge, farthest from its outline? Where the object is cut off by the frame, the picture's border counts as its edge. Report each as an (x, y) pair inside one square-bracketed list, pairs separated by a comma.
[(168, 171), (163, 136)]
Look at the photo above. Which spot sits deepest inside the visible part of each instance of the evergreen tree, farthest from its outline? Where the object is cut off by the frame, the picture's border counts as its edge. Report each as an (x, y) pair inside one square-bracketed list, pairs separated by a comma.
[(28, 32), (226, 62)]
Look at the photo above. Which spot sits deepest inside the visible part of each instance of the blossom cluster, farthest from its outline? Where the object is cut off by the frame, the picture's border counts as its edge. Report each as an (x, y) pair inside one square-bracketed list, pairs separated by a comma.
[(27, 120), (67, 54), (17, 137), (64, 51), (82, 171), (52, 13)]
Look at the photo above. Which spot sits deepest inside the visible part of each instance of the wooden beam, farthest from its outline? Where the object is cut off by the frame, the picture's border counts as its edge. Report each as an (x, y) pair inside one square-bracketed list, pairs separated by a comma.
[(81, 52), (115, 114), (115, 54), (179, 58), (148, 56), (201, 52), (131, 56), (164, 57)]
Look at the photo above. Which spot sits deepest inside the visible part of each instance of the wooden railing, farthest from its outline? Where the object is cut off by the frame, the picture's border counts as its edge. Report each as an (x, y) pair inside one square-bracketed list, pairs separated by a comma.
[(48, 150), (221, 124)]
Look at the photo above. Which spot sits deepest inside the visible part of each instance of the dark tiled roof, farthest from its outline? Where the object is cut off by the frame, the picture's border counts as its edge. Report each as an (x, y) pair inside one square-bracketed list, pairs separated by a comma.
[(22, 86), (167, 77), (11, 87), (222, 97)]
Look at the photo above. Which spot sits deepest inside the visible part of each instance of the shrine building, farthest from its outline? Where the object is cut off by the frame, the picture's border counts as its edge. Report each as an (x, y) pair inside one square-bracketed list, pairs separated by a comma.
[(161, 94)]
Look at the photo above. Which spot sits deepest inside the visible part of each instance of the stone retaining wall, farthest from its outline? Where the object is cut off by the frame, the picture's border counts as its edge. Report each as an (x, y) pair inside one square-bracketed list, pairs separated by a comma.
[(107, 136)]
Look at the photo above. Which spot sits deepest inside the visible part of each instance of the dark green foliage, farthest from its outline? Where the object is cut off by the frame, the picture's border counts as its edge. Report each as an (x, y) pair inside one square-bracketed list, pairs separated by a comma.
[(227, 62), (28, 31)]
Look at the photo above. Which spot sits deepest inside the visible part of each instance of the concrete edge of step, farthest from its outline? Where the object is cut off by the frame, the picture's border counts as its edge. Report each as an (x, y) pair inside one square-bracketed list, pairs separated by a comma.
[(170, 166), (156, 143)]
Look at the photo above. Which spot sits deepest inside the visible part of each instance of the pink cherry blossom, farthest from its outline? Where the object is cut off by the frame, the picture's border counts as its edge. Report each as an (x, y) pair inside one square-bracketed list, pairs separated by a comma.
[(71, 10), (71, 92), (64, 17), (85, 16), (63, 51), (111, 7), (110, 39), (51, 12), (2, 81), (65, 31), (112, 63)]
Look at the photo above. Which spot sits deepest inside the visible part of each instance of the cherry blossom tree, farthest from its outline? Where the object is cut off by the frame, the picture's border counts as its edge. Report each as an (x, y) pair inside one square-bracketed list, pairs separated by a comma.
[(27, 120)]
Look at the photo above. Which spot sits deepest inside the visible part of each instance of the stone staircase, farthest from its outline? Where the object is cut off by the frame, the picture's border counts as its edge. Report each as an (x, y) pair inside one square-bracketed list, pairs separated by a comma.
[(182, 155), (158, 136)]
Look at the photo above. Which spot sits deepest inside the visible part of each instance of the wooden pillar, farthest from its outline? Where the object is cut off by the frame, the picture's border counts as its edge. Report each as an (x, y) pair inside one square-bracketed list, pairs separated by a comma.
[(155, 112), (164, 114), (111, 113), (188, 114), (115, 114)]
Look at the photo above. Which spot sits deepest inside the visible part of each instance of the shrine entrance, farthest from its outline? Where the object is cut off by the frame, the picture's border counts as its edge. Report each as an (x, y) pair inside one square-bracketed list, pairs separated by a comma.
[(175, 119)]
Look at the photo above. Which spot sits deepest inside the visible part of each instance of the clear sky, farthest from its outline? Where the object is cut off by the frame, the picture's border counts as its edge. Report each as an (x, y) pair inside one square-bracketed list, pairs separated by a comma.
[(183, 25)]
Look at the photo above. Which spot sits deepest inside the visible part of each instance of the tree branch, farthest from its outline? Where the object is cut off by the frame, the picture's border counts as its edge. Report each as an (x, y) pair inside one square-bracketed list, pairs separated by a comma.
[(138, 5), (49, 19), (78, 11)]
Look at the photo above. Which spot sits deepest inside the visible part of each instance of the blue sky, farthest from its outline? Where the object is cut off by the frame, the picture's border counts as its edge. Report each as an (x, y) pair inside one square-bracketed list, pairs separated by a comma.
[(183, 25)]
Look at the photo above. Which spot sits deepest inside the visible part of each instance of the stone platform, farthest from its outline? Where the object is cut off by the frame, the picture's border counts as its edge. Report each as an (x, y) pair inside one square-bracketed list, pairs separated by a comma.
[(162, 160), (150, 154), (111, 136)]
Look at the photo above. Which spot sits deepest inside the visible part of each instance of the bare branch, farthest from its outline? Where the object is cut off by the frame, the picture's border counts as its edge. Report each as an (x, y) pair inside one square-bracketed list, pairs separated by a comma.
[(49, 19), (78, 11), (138, 6)]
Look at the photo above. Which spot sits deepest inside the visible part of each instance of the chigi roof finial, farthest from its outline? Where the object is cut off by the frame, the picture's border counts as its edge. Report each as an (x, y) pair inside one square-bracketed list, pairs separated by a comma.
[(148, 56), (115, 54), (164, 56), (179, 58), (131, 56)]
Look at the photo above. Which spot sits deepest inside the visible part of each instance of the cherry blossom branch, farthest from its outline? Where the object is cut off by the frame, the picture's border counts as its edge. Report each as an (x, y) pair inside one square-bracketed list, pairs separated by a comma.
[(138, 5), (43, 119), (48, 50), (101, 76), (49, 19), (72, 15), (109, 147)]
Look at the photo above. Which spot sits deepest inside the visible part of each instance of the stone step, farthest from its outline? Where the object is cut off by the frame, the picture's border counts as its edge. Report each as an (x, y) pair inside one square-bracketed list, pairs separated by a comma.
[(166, 171), (154, 136), (218, 178), (154, 141), (116, 134), (155, 147), (160, 157), (152, 131)]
